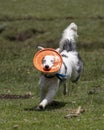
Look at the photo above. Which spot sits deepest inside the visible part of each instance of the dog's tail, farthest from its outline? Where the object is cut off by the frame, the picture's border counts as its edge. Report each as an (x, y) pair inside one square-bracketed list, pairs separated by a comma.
[(68, 40)]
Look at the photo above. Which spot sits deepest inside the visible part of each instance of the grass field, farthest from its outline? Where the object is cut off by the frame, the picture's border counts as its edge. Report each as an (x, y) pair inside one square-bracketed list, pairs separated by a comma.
[(23, 26)]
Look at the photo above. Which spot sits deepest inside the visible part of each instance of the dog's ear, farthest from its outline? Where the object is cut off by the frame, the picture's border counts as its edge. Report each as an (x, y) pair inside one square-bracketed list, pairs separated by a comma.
[(40, 47), (58, 50)]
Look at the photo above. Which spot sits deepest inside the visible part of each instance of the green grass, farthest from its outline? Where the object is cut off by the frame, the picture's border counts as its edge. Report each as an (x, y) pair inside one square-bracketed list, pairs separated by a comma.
[(41, 23)]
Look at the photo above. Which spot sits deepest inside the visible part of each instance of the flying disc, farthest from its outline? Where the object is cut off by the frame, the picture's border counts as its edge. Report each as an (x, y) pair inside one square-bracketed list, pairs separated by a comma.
[(38, 57)]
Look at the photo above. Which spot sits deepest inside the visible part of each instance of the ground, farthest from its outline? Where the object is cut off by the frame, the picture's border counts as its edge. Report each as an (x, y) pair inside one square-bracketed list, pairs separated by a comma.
[(23, 26)]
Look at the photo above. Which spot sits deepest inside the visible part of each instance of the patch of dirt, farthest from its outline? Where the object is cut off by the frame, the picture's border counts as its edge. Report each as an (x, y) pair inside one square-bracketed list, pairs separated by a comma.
[(24, 35), (28, 18), (90, 46), (13, 96), (95, 90), (2, 29)]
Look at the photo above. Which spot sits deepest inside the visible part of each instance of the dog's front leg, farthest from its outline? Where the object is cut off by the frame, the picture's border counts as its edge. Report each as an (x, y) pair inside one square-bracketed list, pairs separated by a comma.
[(43, 87), (42, 96), (42, 93), (49, 96)]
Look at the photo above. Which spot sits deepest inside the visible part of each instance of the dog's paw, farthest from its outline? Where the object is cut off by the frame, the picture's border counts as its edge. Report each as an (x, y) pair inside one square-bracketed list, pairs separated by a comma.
[(40, 108)]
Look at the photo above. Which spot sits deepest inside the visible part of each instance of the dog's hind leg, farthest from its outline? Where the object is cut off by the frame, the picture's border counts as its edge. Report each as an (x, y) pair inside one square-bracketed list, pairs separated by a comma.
[(65, 90)]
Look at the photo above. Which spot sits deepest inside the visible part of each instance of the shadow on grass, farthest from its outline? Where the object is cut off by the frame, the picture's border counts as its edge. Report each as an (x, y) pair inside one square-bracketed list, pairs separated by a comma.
[(54, 105)]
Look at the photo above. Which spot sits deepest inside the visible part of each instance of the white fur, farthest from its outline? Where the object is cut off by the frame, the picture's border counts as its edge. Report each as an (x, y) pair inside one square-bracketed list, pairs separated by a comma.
[(50, 86), (48, 62)]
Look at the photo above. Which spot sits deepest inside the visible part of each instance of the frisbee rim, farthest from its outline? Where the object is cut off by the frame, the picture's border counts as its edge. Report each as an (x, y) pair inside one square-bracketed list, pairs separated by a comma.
[(39, 66)]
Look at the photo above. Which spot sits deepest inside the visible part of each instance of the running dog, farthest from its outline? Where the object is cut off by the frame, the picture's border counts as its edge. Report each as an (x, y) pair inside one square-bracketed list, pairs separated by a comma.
[(70, 69)]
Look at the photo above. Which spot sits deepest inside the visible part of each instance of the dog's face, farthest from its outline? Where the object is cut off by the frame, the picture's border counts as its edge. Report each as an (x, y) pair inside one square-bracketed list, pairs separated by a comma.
[(48, 62)]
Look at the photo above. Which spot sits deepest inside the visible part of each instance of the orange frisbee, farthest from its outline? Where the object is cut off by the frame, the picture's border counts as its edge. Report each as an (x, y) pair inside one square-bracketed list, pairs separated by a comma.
[(37, 60)]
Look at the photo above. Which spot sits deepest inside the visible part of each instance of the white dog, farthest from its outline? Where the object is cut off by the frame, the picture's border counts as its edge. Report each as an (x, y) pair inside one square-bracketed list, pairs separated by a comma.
[(70, 69)]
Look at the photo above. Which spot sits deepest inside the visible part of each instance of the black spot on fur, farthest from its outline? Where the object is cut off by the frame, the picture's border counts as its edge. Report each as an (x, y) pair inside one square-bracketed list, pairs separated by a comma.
[(69, 46), (63, 55), (80, 64)]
